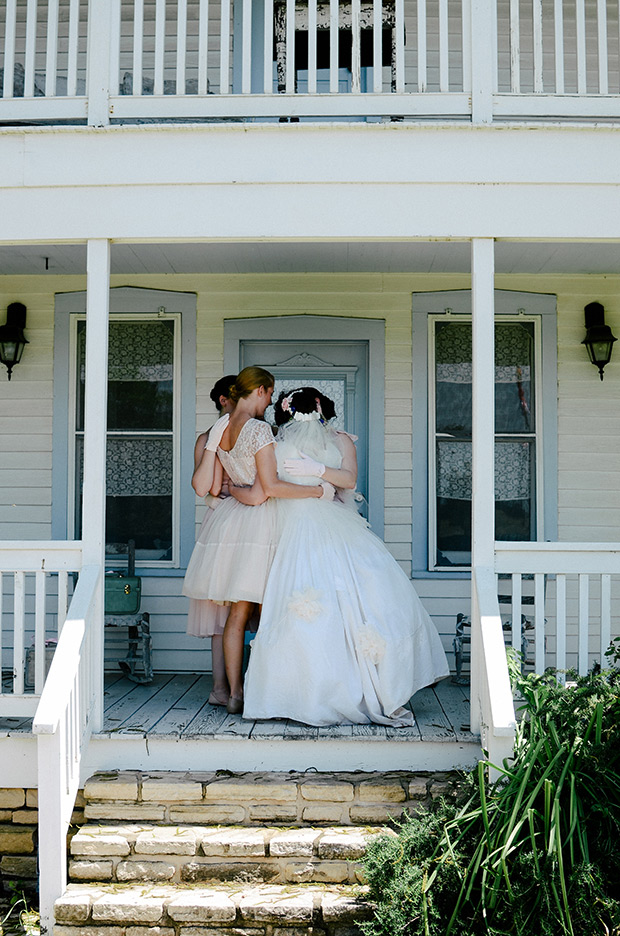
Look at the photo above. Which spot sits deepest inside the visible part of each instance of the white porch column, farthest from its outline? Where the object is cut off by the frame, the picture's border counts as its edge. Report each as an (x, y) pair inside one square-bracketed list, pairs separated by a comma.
[(95, 424), (483, 430), (483, 45)]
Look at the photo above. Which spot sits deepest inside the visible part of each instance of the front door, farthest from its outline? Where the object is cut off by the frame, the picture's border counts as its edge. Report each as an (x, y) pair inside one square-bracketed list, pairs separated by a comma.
[(316, 351)]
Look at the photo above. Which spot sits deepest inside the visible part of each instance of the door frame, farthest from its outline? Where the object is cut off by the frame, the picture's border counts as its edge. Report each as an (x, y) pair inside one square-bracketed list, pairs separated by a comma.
[(330, 328)]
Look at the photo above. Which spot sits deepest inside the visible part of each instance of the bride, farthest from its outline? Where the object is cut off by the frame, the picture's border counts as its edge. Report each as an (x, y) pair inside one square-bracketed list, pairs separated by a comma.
[(343, 636)]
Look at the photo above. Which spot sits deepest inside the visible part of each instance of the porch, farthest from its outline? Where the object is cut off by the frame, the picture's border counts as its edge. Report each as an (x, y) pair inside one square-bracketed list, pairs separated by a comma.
[(206, 60)]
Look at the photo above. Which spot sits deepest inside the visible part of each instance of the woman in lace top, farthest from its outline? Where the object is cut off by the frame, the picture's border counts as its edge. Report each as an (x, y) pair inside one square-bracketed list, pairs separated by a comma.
[(230, 564)]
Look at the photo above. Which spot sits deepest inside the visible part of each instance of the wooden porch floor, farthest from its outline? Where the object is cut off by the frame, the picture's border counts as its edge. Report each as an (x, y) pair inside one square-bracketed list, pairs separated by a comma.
[(175, 705)]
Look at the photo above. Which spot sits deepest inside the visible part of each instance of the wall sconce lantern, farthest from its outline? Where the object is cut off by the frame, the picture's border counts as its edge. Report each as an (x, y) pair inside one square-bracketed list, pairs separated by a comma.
[(12, 341), (599, 339)]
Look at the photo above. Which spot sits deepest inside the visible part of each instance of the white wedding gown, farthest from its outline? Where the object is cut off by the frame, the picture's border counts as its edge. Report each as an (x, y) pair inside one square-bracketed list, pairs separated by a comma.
[(343, 636)]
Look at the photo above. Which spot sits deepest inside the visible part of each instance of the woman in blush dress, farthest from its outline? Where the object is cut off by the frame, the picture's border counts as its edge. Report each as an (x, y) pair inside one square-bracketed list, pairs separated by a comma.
[(232, 561), (343, 637)]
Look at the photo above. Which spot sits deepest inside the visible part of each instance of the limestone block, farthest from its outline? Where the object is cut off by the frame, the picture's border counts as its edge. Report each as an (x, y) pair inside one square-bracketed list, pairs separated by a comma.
[(344, 908), (235, 842), (136, 812), (343, 843), (167, 841), (16, 841), (441, 788), (276, 905), (201, 906), (374, 815), (149, 931), (294, 842), (129, 906), (170, 788), (225, 931), (72, 907), (257, 789), (80, 802), (334, 791), (144, 871), (60, 930), (323, 872), (116, 785), (32, 798), (18, 866), (322, 813), (26, 816), (241, 872), (299, 931), (381, 791), (418, 788), (6, 815), (89, 841), (91, 870), (274, 813), (212, 815), (12, 797)]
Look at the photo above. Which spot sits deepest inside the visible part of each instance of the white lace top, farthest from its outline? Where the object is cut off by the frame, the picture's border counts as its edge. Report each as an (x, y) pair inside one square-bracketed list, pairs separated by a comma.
[(240, 463)]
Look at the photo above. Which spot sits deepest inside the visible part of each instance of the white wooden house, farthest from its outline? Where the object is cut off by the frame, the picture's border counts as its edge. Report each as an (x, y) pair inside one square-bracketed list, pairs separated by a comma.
[(344, 191)]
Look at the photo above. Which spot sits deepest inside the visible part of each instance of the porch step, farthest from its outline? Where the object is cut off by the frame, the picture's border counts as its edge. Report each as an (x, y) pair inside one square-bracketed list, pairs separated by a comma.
[(198, 854), (264, 910), (258, 799)]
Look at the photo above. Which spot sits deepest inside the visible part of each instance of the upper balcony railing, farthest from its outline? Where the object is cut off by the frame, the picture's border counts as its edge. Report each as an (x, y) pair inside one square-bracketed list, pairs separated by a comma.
[(101, 61)]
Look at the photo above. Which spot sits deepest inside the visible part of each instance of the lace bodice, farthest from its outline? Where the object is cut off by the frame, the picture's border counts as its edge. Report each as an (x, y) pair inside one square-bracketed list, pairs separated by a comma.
[(239, 463)]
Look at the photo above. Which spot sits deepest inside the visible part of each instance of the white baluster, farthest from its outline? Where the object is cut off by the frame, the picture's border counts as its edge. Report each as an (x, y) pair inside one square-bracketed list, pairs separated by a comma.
[(181, 45), (584, 620), (377, 46), (312, 28), (203, 46), (558, 17), (19, 614), (333, 47), (539, 621), (63, 596), (268, 51), (516, 612), (603, 74), (580, 14), (224, 46), (537, 39), (160, 46), (560, 625), (31, 42), (9, 48), (246, 44), (356, 47), (51, 50), (138, 34), (290, 46), (444, 47), (605, 616), (115, 45), (421, 45), (515, 48), (400, 46), (73, 42), (39, 633)]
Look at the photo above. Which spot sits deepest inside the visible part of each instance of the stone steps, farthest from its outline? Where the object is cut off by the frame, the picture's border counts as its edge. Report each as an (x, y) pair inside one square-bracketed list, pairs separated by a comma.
[(164, 910), (196, 854)]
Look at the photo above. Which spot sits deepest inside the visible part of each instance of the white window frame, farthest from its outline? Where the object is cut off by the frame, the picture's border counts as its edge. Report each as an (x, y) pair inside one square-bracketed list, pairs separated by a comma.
[(509, 305)]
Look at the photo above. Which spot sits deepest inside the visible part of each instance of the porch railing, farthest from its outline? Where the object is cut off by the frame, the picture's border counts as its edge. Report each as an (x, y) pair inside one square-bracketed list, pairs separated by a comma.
[(99, 60), (63, 724), (34, 590)]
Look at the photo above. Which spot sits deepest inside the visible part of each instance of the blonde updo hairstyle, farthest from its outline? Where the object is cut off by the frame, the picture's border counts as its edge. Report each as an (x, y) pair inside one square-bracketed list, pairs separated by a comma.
[(249, 379)]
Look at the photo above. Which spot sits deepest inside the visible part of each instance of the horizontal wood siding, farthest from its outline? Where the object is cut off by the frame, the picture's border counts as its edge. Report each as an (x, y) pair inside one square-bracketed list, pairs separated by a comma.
[(589, 412)]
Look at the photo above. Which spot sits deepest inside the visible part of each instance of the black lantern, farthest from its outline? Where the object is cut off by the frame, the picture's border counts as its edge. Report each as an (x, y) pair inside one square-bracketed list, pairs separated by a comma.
[(12, 341), (599, 339)]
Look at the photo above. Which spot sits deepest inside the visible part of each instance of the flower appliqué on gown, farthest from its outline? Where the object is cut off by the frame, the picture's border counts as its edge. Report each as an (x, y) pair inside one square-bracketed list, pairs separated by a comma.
[(306, 604), (370, 643)]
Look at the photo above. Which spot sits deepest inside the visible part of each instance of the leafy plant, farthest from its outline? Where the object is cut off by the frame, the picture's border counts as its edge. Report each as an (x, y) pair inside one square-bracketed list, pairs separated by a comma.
[(20, 917), (535, 854)]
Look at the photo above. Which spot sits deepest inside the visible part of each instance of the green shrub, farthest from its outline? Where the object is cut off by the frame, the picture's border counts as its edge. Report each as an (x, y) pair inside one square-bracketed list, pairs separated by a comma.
[(535, 854)]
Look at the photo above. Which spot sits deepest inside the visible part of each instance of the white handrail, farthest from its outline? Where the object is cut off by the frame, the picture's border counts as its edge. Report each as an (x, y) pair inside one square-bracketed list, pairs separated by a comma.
[(492, 703), (556, 558), (63, 724)]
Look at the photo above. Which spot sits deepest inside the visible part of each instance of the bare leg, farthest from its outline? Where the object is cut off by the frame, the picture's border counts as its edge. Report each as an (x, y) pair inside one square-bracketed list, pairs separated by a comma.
[(234, 634), (221, 692)]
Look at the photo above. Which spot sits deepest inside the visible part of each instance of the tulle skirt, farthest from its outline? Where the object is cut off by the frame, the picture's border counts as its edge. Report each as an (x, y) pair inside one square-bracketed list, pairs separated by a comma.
[(343, 636)]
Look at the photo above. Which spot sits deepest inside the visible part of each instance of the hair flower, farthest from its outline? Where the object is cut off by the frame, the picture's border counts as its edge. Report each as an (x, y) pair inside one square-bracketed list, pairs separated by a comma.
[(306, 417), (305, 604)]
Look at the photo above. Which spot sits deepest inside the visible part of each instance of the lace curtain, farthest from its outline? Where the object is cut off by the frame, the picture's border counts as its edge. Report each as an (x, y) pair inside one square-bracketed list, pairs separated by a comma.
[(512, 470)]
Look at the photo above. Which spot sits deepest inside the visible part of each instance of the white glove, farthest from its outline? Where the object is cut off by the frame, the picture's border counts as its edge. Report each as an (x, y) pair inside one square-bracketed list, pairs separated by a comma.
[(328, 491), (216, 432), (304, 465)]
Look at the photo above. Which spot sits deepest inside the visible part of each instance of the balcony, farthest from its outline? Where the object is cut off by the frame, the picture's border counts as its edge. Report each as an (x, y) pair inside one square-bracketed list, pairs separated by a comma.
[(98, 62)]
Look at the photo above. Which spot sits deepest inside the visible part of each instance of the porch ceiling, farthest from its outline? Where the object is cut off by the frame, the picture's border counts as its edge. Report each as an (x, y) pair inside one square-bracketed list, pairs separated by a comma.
[(315, 257)]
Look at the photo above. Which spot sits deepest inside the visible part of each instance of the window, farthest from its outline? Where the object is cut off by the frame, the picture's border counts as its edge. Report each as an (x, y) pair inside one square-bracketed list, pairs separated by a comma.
[(525, 425), (141, 438), (151, 425)]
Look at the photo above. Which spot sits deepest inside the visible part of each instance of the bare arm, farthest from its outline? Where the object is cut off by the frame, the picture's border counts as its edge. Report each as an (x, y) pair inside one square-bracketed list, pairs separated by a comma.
[(252, 496), (272, 486), (344, 477), (204, 465), (218, 476)]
